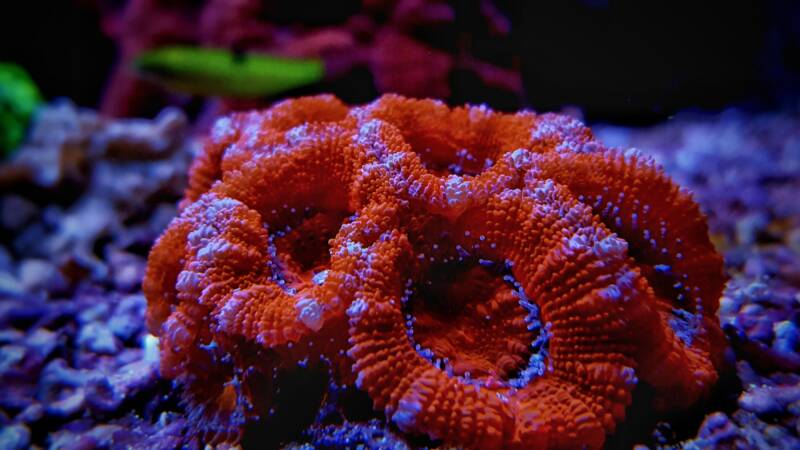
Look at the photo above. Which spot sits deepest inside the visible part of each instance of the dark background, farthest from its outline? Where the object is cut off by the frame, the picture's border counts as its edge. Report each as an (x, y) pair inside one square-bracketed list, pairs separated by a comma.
[(626, 61)]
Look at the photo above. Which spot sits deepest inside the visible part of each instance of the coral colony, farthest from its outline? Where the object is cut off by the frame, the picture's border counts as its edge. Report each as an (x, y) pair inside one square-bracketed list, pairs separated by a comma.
[(489, 280)]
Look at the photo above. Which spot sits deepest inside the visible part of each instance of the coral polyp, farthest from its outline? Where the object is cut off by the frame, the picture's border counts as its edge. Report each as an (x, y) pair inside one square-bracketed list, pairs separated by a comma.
[(490, 280)]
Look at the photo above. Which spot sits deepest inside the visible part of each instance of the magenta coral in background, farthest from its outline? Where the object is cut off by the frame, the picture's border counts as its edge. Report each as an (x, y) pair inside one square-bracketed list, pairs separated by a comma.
[(381, 36)]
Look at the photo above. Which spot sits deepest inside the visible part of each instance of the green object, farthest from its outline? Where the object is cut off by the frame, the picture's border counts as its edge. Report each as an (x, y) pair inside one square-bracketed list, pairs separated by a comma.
[(19, 98), (208, 71)]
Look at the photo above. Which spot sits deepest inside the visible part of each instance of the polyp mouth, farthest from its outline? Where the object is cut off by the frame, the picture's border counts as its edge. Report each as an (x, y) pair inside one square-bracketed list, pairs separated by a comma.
[(471, 318), (300, 248)]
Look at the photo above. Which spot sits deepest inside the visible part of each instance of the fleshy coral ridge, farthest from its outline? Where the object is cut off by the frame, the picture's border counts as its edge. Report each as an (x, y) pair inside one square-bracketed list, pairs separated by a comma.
[(491, 280)]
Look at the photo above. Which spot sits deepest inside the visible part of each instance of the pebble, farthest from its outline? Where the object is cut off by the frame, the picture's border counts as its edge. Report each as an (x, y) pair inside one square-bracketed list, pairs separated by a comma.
[(16, 211), (38, 275), (67, 406), (126, 321), (793, 240), (10, 336), (98, 338), (43, 342), (32, 413), (15, 437), (11, 356), (100, 436), (96, 312), (107, 393), (787, 336), (10, 286), (127, 270), (760, 401)]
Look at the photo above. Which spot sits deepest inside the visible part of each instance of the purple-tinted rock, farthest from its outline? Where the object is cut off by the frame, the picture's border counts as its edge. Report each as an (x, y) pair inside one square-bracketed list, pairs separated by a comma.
[(760, 267), (96, 337), (138, 138), (793, 240), (17, 396), (16, 211), (127, 270), (100, 436), (787, 337), (80, 227), (752, 310), (67, 405), (37, 275), (779, 437), (717, 429), (53, 149), (10, 286), (96, 312), (126, 321), (761, 329), (6, 260), (107, 393), (748, 227), (58, 297), (127, 356), (760, 401), (370, 434), (10, 336), (80, 264), (11, 356), (15, 437), (58, 373), (757, 291), (32, 413), (42, 342), (786, 395), (727, 306)]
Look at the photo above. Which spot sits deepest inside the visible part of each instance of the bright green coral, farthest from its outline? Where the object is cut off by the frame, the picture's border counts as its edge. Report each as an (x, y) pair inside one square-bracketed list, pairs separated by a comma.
[(19, 98), (208, 71)]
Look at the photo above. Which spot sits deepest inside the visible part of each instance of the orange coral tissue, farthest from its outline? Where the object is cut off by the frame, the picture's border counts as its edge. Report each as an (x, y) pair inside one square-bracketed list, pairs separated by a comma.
[(491, 280)]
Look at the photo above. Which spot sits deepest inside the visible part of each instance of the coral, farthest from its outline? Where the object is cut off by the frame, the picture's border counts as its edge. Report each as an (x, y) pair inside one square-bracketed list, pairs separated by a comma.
[(742, 168), (739, 167), (490, 280), (410, 47), (19, 98)]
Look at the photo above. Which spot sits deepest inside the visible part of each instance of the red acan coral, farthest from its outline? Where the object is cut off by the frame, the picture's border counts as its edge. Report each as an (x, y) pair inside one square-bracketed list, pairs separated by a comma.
[(490, 280)]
